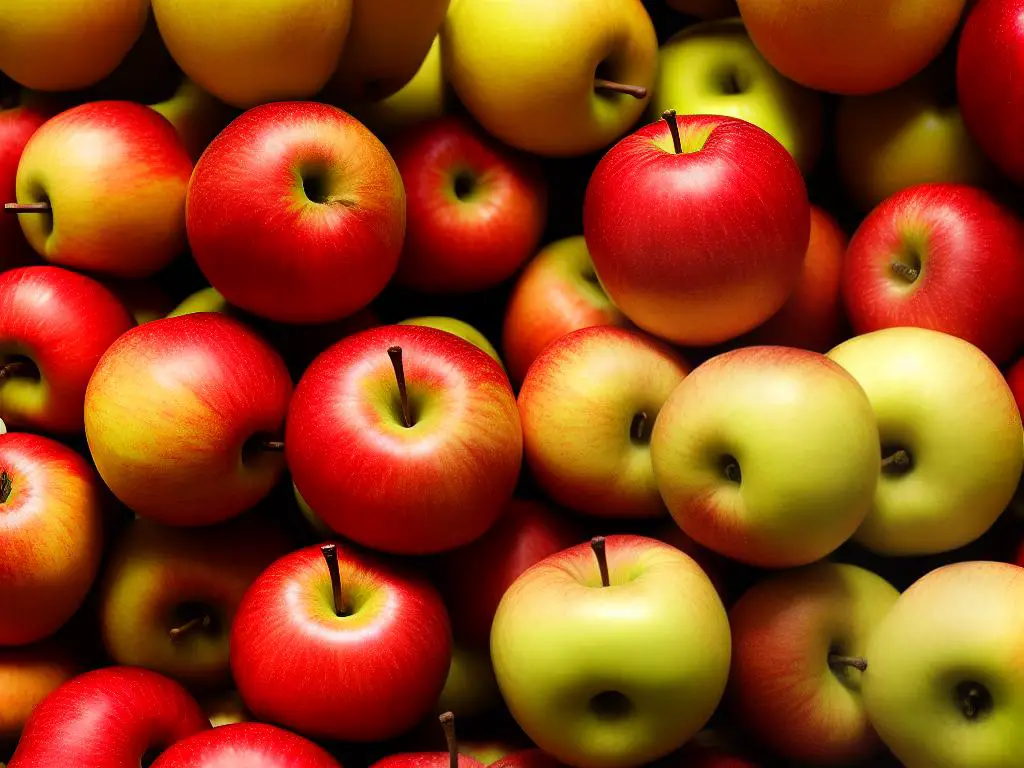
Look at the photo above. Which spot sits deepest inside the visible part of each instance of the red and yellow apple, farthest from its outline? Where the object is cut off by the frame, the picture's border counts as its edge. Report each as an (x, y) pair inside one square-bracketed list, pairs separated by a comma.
[(27, 676)]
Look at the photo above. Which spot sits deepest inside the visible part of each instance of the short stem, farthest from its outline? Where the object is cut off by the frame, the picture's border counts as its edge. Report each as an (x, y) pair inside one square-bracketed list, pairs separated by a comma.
[(639, 431), (897, 460), (636, 91), (6, 486), (200, 622), (448, 724), (13, 369), (973, 699), (27, 207), (271, 445), (857, 662), (598, 545), (330, 553), (907, 272), (669, 116), (395, 353)]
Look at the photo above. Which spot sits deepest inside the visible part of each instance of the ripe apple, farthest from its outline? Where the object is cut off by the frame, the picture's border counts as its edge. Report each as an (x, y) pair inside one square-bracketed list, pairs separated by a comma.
[(476, 209), (713, 68), (944, 685), (488, 752), (405, 439), (296, 212), (16, 127), (27, 676), (950, 435), (558, 292), (611, 657), (183, 418), (460, 328), (748, 457), (368, 645), (716, 567), (245, 744), (850, 46), (662, 220), (1015, 378), (145, 300), (470, 688), (944, 257), (51, 522), (528, 758), (449, 759), (225, 708), (55, 325), (990, 81), (588, 405), (500, 57), (108, 717), (204, 300), (196, 115)]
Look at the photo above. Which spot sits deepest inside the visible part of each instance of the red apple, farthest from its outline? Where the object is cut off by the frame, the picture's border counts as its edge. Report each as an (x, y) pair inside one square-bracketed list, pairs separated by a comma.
[(16, 128), (1016, 379), (405, 439), (698, 226), (296, 212), (51, 536), (528, 758), (183, 418), (55, 325), (476, 208), (245, 745), (449, 759), (946, 257), (714, 565), (27, 676)]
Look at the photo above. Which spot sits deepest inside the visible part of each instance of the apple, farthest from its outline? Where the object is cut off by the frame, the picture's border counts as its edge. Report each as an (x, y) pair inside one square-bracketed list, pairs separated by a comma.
[(476, 209), (704, 9), (470, 688), (528, 758), (145, 300), (169, 595), (488, 752), (27, 676), (108, 717), (612, 657), (558, 292), (951, 439), (405, 439), (662, 219), (204, 300), (248, 744), (449, 759), (990, 81), (460, 328), (183, 419), (553, 79), (368, 645), (319, 528), (16, 127), (944, 683), (51, 534), (1015, 378), (716, 567), (850, 46), (296, 213), (196, 115), (713, 68), (225, 708), (588, 405), (54, 327)]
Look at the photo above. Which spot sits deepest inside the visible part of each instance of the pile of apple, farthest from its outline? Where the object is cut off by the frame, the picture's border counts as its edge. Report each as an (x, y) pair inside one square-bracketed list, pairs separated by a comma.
[(621, 382)]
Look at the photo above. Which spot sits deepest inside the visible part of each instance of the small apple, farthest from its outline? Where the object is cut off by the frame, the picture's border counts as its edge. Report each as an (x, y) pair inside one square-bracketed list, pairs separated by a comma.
[(470, 687), (225, 708), (245, 744), (204, 300), (450, 759), (460, 328), (16, 127), (196, 115), (27, 676)]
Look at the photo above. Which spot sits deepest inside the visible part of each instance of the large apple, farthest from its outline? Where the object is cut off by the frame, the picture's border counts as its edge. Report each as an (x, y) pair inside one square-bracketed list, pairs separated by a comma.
[(27, 676), (588, 406), (16, 127), (296, 212), (612, 657), (245, 744), (950, 435), (405, 439), (768, 455), (697, 226), (184, 417)]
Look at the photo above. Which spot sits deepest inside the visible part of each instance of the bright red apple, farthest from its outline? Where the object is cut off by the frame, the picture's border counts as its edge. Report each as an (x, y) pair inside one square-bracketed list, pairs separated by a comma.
[(1016, 379), (16, 128), (448, 759), (27, 676), (528, 758), (245, 745)]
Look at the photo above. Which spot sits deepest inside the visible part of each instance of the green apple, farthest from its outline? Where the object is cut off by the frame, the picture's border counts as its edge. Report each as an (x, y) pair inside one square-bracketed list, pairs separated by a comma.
[(460, 328), (197, 116), (713, 68), (611, 654), (489, 752), (470, 689), (203, 300), (951, 439)]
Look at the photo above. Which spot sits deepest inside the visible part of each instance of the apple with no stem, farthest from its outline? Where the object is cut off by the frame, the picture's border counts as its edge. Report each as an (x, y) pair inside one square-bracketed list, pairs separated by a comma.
[(183, 418), (16, 127), (470, 687), (449, 759), (245, 744), (27, 676), (225, 707)]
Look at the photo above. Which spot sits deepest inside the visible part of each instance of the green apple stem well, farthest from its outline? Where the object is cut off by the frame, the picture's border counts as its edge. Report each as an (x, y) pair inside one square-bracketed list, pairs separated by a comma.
[(598, 545), (448, 724), (669, 116), (636, 91), (395, 353), (330, 553)]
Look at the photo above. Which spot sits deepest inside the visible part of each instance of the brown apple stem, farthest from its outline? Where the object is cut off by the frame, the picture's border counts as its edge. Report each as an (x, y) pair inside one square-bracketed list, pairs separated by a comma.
[(6, 486), (598, 545), (639, 431), (199, 622), (27, 207), (636, 91), (973, 699), (448, 724), (395, 353), (13, 369), (669, 116), (273, 446), (907, 272), (857, 662), (896, 461), (330, 553)]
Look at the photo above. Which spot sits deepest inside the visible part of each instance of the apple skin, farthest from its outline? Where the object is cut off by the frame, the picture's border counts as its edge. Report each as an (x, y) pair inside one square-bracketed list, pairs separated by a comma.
[(528, 758), (966, 247), (470, 688), (691, 272), (716, 567), (51, 531), (990, 81), (225, 708), (558, 292), (250, 744), (767, 411), (296, 213), (86, 162), (171, 412), (580, 404), (368, 676), (460, 328), (656, 640), (62, 322), (27, 676), (424, 489), (956, 625), (204, 300), (1015, 378), (944, 501), (16, 128)]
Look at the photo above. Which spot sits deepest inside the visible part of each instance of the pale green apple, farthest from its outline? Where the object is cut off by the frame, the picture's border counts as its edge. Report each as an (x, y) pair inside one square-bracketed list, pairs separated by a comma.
[(459, 328), (470, 689), (197, 116), (203, 300), (713, 68), (951, 439)]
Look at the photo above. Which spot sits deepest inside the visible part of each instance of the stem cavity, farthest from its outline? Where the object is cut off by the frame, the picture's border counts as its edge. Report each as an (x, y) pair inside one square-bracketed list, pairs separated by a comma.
[(640, 429), (15, 368), (610, 86), (395, 353), (330, 553), (669, 116), (598, 545), (905, 271), (974, 700)]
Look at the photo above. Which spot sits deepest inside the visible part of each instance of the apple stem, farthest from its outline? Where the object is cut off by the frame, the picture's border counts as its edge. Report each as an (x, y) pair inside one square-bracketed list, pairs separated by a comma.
[(27, 207), (636, 91), (330, 553), (5, 487), (857, 662), (13, 369), (272, 445), (199, 622), (598, 545), (973, 699), (898, 460), (395, 353), (907, 272), (638, 429), (448, 724), (669, 116)]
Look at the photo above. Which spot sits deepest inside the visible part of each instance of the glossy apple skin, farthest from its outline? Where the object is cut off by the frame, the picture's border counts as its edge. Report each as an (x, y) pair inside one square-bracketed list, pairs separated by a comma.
[(715, 566), (133, 710), (528, 758), (990, 81), (254, 745), (701, 246), (51, 532), (170, 411), (967, 247), (428, 488), (86, 162), (558, 292), (368, 676), (16, 128), (63, 322), (265, 244), (456, 240), (1015, 378), (27, 676), (578, 404)]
